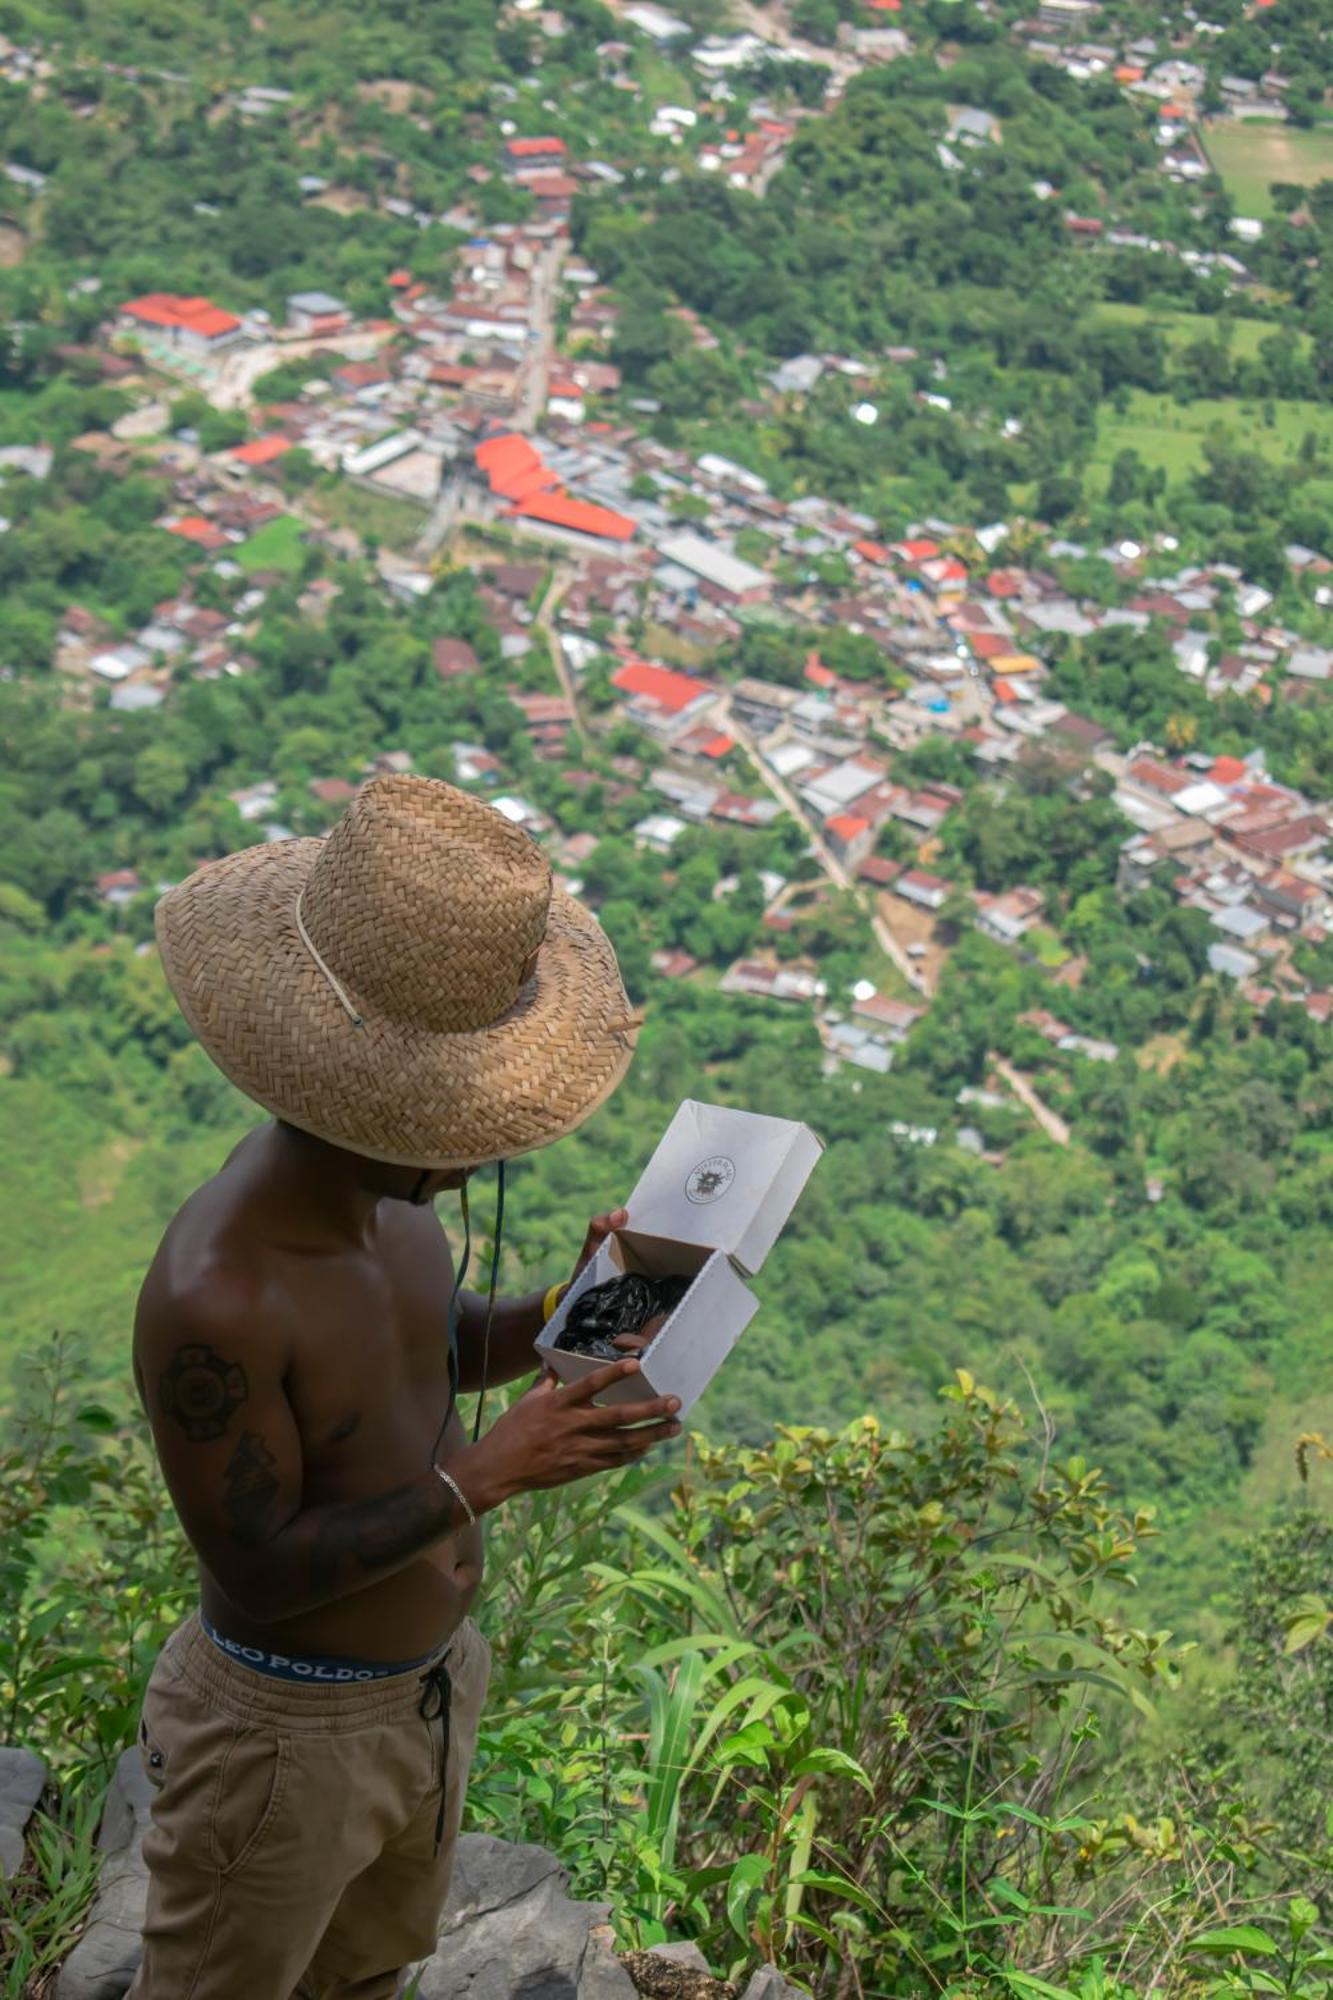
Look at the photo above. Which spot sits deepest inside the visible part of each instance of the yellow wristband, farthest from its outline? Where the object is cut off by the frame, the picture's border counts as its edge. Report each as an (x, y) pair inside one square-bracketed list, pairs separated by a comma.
[(553, 1298)]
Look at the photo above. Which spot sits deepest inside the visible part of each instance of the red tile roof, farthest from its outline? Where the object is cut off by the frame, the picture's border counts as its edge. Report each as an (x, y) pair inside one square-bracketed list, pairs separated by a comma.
[(194, 528), (846, 826), (534, 149), (517, 472), (660, 685), (709, 743), (916, 552), (990, 645), (192, 315), (578, 515), (871, 552), (1229, 771), (673, 964), (514, 467), (262, 451), (362, 374), (1157, 777), (454, 656)]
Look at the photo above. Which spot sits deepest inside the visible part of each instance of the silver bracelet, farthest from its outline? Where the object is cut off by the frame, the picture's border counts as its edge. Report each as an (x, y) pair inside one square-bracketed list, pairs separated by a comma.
[(457, 1492)]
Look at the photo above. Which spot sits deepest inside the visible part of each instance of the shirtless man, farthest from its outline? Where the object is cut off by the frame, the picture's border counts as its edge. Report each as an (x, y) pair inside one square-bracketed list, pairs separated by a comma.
[(310, 1728)]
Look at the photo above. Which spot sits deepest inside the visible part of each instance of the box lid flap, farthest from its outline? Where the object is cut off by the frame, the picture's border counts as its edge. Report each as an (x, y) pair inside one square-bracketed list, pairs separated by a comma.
[(724, 1178)]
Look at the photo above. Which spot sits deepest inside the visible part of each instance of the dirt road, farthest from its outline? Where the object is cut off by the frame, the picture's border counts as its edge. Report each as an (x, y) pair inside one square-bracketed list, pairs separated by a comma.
[(834, 869), (1050, 1122), (545, 623)]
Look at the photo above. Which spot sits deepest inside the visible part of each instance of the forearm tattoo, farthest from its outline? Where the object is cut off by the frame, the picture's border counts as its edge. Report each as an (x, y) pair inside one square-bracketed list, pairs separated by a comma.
[(202, 1391), (375, 1532), (252, 1487)]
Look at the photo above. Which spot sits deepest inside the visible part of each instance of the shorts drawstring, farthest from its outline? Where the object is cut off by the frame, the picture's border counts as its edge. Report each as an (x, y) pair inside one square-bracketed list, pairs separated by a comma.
[(436, 1694)]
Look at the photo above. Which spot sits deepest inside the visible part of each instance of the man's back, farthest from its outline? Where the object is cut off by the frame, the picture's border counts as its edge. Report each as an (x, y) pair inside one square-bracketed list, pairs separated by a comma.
[(290, 1358)]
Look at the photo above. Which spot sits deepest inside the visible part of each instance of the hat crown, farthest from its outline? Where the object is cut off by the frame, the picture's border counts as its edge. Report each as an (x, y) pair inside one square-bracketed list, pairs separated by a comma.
[(428, 905)]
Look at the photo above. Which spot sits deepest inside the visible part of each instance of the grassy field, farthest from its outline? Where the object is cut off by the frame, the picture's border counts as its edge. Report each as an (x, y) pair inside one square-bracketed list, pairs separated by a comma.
[(662, 82), (1251, 153), (394, 524), (1182, 329), (276, 546), (1171, 435), (1048, 949), (84, 1205)]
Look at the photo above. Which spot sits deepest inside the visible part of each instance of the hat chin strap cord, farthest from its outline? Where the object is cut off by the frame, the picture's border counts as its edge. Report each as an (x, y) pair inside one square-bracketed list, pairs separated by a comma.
[(338, 989)]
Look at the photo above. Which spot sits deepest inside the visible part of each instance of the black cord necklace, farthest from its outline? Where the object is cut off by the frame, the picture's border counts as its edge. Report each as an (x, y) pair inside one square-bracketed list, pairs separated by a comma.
[(455, 1308), (490, 1292)]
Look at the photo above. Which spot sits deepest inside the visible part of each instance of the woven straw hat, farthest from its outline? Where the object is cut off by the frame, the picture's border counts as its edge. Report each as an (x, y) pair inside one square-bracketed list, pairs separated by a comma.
[(412, 987)]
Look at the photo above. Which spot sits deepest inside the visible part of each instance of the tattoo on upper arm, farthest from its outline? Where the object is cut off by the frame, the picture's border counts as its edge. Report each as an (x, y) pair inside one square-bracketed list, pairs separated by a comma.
[(202, 1392), (252, 1485)]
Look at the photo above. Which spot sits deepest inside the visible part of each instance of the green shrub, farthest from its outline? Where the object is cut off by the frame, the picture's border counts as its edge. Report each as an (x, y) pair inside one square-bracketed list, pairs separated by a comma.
[(841, 1702)]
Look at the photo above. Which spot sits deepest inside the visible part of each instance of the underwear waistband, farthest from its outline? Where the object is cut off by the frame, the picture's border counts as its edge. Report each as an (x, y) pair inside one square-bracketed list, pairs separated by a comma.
[(311, 1670)]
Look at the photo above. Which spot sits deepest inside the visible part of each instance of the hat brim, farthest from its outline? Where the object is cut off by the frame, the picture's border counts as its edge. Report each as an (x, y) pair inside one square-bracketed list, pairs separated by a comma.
[(389, 1089)]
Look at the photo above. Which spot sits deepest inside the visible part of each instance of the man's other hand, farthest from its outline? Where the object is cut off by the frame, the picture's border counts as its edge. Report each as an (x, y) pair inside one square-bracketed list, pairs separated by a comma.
[(554, 1435)]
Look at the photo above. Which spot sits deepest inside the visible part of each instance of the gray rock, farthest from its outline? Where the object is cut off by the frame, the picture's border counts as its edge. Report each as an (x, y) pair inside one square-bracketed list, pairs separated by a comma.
[(22, 1775), (106, 1957), (511, 1932), (769, 1984), (490, 1873), (602, 1976)]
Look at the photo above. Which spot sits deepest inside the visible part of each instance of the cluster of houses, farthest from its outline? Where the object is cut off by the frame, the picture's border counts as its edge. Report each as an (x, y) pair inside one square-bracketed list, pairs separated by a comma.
[(461, 402), (181, 637), (1170, 70), (1251, 854)]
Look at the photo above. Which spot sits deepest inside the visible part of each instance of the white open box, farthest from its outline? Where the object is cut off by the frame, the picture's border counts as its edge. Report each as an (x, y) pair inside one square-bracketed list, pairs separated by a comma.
[(711, 1202)]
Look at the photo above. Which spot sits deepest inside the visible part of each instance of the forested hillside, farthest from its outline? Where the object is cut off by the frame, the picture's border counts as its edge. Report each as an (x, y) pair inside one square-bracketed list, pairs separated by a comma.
[(1161, 1277)]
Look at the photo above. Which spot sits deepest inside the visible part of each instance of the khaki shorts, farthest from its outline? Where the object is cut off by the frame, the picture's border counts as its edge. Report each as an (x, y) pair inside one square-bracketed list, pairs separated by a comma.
[(292, 1854)]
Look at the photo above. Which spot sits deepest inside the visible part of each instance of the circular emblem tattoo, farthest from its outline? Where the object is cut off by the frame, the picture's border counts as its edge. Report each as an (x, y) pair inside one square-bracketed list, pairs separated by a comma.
[(202, 1392), (710, 1180)]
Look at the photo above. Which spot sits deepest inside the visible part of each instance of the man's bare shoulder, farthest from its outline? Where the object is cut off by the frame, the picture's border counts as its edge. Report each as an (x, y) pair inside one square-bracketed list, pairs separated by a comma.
[(216, 1275)]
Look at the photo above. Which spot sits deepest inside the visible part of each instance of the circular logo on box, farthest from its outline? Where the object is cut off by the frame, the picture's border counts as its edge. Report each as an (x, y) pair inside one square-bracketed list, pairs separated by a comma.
[(710, 1180)]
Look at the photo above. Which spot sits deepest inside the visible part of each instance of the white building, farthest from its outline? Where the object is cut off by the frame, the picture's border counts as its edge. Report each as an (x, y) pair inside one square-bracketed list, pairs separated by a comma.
[(720, 573)]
